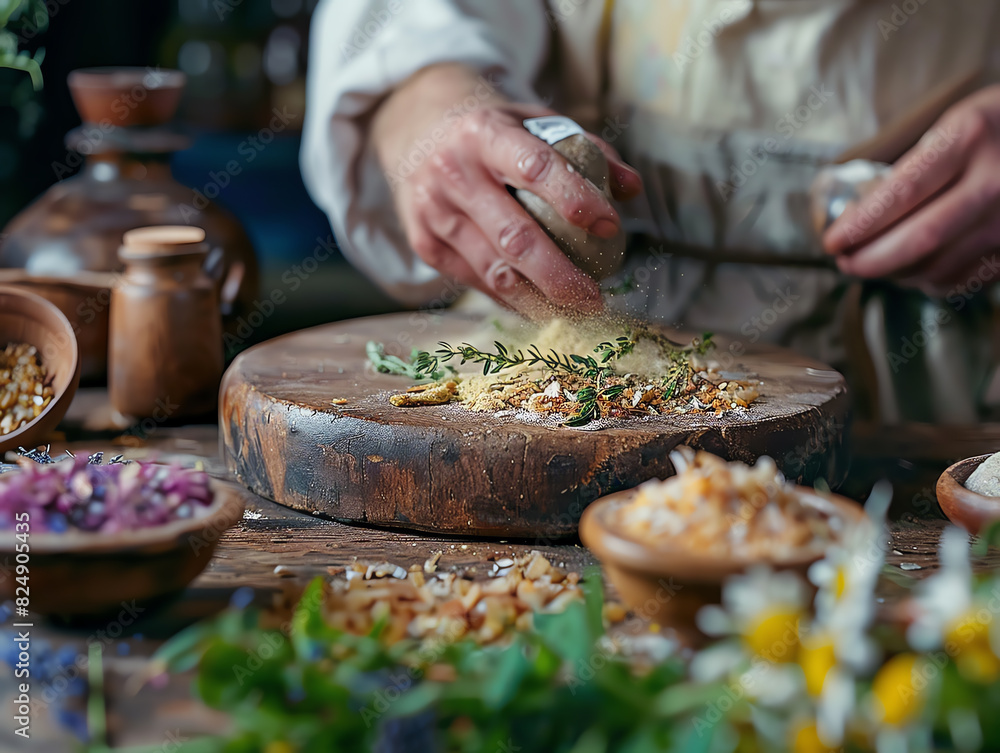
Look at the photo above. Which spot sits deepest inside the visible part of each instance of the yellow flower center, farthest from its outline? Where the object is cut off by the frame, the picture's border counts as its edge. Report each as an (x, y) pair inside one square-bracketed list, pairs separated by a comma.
[(895, 697), (806, 740), (279, 746), (968, 640), (817, 657), (775, 636), (840, 583)]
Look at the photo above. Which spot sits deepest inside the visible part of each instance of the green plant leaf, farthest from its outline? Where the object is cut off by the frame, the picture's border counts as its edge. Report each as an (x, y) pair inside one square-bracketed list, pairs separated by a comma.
[(987, 538), (505, 680), (593, 740)]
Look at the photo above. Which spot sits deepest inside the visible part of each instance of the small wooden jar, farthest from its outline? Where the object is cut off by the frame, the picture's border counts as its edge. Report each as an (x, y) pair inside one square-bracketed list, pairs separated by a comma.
[(165, 351)]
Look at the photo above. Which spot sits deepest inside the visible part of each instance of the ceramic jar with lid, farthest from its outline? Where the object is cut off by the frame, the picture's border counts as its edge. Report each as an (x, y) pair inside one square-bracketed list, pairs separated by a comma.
[(165, 355)]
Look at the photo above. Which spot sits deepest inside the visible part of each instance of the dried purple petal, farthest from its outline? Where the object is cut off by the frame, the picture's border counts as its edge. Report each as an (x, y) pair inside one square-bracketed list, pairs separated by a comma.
[(85, 494)]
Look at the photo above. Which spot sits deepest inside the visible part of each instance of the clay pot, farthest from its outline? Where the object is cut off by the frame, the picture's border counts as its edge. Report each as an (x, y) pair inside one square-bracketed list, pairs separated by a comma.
[(165, 359), (28, 318), (125, 183), (126, 96)]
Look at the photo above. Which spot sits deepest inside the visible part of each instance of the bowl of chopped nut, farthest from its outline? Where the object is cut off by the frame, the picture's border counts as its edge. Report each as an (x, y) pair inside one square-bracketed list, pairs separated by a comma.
[(669, 545), (39, 367)]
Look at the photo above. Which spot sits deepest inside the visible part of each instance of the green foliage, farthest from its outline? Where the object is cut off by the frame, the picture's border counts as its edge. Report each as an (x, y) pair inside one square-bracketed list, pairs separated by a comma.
[(627, 285), (989, 537), (32, 16), (552, 690), (386, 364)]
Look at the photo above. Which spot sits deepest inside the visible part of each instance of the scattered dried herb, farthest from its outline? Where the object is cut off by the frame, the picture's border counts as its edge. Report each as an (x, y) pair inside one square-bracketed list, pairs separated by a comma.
[(588, 386)]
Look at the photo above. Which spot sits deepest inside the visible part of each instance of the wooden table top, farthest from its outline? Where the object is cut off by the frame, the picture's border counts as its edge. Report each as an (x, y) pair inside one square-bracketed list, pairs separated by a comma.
[(272, 536)]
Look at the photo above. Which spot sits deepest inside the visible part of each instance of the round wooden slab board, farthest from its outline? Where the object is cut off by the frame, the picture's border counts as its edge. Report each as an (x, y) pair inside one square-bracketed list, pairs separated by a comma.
[(448, 470)]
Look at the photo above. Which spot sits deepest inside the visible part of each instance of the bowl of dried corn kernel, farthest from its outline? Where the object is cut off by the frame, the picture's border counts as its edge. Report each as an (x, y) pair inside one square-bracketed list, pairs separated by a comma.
[(39, 367)]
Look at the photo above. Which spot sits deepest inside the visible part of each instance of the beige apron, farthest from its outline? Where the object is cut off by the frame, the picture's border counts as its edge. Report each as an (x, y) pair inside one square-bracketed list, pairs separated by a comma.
[(729, 108)]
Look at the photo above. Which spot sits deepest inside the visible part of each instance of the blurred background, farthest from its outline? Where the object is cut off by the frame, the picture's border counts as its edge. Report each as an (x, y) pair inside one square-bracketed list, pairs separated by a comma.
[(244, 59)]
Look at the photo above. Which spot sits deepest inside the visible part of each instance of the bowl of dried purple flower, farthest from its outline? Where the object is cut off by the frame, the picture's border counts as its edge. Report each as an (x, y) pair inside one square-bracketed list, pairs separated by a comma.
[(84, 539)]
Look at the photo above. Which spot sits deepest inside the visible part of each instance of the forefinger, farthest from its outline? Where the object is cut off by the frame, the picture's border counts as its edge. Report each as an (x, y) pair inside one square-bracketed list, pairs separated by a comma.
[(937, 161), (522, 243), (521, 160)]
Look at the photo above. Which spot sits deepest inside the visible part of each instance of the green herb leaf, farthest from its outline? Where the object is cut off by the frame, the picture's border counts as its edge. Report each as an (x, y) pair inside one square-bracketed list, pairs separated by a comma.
[(988, 537), (423, 366)]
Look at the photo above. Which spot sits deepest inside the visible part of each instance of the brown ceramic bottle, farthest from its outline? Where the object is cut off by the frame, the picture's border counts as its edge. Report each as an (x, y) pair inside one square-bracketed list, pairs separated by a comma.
[(165, 354)]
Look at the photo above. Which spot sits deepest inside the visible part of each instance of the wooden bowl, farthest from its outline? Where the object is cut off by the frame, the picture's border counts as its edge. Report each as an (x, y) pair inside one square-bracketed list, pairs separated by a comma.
[(84, 299), (126, 96), (670, 584), (29, 318), (966, 508), (78, 574)]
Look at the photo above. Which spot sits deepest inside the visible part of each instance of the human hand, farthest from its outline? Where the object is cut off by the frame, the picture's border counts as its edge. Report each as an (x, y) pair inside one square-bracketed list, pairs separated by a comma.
[(936, 217), (455, 207)]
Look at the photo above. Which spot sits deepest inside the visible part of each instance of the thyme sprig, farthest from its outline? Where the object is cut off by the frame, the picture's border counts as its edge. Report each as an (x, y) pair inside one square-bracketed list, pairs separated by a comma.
[(588, 367)]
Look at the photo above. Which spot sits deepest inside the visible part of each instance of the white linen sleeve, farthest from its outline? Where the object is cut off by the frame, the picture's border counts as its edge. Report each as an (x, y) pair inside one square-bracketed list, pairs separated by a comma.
[(359, 51)]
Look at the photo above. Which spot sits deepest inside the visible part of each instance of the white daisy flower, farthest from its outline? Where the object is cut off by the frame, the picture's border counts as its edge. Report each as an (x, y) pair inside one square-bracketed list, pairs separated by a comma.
[(950, 615), (762, 606), (838, 646), (945, 597)]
